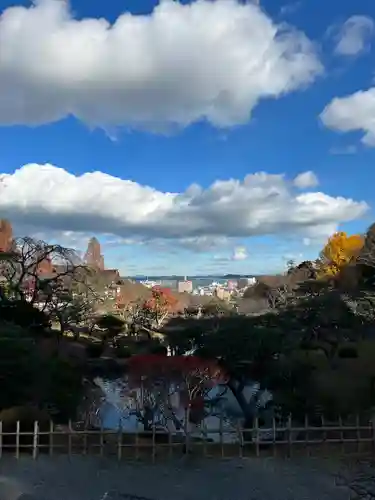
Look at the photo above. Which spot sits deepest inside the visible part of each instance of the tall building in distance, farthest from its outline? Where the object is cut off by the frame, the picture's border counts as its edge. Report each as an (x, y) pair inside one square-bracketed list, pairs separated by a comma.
[(93, 256), (245, 282), (6, 235), (185, 286)]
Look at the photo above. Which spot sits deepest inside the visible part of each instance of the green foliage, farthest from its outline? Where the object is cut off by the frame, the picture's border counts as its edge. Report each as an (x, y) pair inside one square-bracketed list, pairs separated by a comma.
[(23, 314), (95, 349), (157, 348), (60, 386), (27, 378), (216, 307), (18, 364), (123, 352), (305, 352), (348, 352), (111, 324)]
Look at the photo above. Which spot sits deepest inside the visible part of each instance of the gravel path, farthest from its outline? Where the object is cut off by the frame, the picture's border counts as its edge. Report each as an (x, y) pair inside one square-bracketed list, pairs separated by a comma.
[(359, 476), (88, 478)]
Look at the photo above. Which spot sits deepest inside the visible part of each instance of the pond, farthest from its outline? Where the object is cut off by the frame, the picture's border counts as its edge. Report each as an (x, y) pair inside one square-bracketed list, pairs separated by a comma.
[(113, 407)]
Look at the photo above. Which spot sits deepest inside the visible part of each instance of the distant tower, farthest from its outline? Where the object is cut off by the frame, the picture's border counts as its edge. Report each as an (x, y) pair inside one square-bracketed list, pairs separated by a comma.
[(93, 256), (6, 235)]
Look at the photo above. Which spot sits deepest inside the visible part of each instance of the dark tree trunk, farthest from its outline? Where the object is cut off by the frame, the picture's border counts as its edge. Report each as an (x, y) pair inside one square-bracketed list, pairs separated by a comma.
[(148, 419), (248, 408)]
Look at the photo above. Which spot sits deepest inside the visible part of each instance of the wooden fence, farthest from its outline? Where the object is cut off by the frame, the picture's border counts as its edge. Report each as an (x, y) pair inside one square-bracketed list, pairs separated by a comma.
[(327, 439)]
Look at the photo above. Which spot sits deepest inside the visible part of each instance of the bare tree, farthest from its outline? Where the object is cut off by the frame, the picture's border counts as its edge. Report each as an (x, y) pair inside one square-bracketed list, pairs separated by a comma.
[(22, 268), (49, 276), (157, 379), (67, 309)]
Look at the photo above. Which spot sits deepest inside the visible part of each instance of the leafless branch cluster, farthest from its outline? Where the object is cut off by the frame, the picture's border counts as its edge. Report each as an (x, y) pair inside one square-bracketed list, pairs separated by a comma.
[(50, 276)]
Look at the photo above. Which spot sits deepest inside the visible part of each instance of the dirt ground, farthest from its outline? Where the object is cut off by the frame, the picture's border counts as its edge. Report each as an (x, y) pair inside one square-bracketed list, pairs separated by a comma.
[(90, 478)]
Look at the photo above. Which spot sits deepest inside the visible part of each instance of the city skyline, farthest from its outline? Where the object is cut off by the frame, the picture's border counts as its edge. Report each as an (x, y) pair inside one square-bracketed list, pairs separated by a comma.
[(189, 138)]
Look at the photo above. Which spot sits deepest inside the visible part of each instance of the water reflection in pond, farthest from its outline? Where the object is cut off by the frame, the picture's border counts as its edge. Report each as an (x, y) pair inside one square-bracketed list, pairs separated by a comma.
[(113, 406)]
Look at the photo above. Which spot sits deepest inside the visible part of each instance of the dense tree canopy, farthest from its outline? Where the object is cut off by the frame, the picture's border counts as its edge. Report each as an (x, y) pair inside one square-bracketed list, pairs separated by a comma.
[(305, 335)]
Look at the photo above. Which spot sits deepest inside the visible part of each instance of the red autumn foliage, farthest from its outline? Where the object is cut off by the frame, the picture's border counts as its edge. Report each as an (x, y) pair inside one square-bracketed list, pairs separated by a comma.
[(148, 364), (194, 375), (162, 298), (161, 303)]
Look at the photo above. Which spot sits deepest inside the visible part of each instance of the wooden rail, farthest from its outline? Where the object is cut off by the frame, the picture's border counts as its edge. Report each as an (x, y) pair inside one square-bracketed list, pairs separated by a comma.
[(329, 438)]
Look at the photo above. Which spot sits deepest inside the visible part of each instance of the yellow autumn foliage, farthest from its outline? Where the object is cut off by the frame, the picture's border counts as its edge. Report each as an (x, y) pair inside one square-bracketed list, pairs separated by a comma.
[(339, 251)]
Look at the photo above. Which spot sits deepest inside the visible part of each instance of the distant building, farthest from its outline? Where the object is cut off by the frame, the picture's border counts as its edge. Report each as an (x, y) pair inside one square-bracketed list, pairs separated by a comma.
[(222, 293), (232, 285), (245, 282), (46, 268), (110, 275), (93, 256), (6, 236), (185, 286)]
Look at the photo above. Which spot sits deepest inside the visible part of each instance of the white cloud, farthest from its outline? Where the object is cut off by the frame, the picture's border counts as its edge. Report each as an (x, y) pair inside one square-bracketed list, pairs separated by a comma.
[(290, 8), (239, 253), (354, 36), (203, 243), (350, 149), (306, 180), (352, 113), (306, 242), (52, 199), (182, 63)]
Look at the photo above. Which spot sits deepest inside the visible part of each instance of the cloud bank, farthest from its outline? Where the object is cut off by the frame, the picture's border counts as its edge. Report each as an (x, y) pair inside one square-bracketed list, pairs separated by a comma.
[(50, 198), (306, 180), (354, 36), (178, 65), (354, 112)]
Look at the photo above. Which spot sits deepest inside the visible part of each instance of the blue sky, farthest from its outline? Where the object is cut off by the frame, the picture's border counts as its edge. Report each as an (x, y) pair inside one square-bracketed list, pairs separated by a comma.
[(188, 93)]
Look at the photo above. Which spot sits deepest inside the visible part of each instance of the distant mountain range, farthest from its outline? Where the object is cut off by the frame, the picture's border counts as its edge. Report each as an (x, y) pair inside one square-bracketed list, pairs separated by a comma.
[(174, 277)]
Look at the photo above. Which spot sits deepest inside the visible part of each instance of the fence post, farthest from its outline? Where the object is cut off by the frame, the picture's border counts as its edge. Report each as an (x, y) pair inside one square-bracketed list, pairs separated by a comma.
[(290, 440), (221, 434), (101, 440), (119, 441), (35, 439), (85, 445), (70, 437), (256, 432), (205, 437), (342, 444), (307, 435), (274, 449), (240, 440), (51, 436), (358, 432), (324, 437), (170, 445), (137, 444), (18, 439), (153, 442), (187, 436)]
